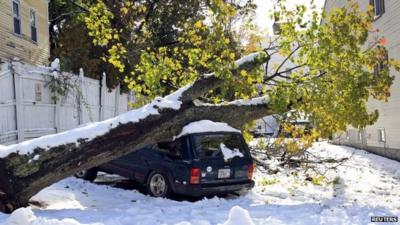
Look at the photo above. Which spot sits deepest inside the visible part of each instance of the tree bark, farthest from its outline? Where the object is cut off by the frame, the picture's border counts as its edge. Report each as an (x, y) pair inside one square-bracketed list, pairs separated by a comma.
[(22, 175)]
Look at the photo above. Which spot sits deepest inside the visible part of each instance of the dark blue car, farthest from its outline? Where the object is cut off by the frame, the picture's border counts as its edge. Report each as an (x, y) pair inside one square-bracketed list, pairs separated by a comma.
[(194, 165)]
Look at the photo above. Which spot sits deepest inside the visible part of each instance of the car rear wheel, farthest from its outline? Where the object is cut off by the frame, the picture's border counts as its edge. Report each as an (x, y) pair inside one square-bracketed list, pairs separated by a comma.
[(89, 175), (158, 185)]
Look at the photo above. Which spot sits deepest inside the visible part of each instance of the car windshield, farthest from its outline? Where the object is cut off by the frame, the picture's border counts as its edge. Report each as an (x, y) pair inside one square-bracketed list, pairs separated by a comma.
[(219, 145)]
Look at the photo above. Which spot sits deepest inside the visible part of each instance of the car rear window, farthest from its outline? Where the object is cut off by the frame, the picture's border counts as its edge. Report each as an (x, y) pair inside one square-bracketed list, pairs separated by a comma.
[(219, 145)]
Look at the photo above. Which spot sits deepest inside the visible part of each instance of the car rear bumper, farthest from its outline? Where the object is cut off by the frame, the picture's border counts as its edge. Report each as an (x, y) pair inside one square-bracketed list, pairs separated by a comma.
[(203, 190)]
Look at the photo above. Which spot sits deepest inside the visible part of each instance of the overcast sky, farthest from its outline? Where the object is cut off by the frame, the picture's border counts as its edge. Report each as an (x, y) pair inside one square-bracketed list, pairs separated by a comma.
[(265, 6)]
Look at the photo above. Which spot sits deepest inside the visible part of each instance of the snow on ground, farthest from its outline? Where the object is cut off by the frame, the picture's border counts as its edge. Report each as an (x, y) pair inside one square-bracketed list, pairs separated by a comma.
[(365, 185)]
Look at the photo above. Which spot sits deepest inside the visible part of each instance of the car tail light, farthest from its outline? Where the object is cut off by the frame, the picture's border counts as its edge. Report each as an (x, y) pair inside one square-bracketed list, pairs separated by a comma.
[(195, 175), (250, 171)]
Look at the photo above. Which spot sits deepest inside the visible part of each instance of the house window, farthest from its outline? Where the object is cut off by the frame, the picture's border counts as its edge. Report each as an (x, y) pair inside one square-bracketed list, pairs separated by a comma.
[(379, 7), (382, 61), (33, 25), (16, 16), (381, 135)]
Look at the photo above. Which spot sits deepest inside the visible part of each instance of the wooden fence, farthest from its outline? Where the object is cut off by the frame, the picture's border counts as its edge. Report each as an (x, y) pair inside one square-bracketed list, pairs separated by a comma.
[(28, 108)]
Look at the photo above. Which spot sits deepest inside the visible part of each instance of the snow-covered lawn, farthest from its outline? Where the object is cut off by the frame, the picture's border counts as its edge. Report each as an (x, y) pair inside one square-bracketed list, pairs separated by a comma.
[(365, 185)]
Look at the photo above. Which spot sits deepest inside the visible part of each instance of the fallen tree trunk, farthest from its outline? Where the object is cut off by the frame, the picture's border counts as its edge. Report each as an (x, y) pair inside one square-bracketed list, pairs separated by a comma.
[(28, 167)]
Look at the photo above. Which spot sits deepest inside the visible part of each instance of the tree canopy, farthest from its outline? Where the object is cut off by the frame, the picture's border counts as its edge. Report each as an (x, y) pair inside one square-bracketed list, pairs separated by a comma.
[(327, 74), (115, 33)]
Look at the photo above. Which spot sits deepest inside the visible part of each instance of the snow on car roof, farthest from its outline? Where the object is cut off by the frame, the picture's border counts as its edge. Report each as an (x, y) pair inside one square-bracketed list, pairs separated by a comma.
[(205, 126)]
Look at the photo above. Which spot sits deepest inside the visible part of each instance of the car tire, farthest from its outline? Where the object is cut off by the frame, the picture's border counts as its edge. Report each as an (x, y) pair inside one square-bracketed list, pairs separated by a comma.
[(157, 185), (89, 175)]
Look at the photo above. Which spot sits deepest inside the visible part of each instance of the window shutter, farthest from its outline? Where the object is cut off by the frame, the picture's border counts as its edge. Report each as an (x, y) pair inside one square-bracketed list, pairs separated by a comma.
[(378, 7), (376, 69), (33, 25), (17, 26), (382, 4), (16, 16), (33, 33)]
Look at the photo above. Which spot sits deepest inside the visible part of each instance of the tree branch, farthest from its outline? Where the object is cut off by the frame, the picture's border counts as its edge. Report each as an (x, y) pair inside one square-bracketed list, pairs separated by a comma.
[(79, 6), (287, 58)]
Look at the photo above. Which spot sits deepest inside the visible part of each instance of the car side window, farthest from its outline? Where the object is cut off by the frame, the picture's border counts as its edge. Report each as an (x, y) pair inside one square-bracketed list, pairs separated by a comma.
[(171, 148)]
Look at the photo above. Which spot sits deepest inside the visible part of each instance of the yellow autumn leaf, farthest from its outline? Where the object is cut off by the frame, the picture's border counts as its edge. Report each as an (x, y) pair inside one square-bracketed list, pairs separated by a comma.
[(198, 24)]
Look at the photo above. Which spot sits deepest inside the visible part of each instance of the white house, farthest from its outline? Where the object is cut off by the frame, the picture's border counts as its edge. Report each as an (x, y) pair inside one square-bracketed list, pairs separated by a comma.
[(384, 136)]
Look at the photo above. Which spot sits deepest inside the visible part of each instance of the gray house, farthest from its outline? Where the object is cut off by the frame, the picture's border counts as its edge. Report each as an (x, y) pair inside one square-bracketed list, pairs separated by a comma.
[(384, 136)]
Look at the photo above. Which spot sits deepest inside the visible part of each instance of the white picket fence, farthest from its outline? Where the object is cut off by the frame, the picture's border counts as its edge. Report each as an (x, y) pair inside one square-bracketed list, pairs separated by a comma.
[(27, 109)]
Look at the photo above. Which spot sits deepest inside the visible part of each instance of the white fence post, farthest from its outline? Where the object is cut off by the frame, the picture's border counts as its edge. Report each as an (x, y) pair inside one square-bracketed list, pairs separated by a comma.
[(19, 100), (57, 116), (80, 97), (128, 107), (117, 96), (57, 121), (103, 90)]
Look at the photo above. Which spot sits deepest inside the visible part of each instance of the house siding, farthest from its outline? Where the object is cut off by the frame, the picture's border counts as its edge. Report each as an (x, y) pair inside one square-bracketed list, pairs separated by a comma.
[(389, 112), (20, 46)]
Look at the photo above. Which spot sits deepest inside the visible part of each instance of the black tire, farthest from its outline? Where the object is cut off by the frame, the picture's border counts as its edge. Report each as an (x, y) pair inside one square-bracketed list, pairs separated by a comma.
[(89, 175), (157, 185)]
